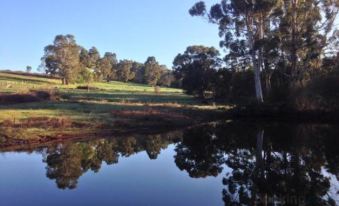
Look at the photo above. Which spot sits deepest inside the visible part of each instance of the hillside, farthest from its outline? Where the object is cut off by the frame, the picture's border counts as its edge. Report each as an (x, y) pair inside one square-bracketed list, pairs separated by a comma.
[(37, 109), (16, 82)]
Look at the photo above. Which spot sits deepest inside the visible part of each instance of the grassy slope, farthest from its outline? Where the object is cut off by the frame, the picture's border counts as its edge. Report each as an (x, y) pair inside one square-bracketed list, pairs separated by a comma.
[(114, 105), (13, 83), (81, 103)]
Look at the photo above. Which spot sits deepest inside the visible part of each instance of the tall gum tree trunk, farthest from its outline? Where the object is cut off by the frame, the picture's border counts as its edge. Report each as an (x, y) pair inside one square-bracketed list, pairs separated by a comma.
[(259, 171), (260, 97), (259, 149), (294, 56), (256, 63)]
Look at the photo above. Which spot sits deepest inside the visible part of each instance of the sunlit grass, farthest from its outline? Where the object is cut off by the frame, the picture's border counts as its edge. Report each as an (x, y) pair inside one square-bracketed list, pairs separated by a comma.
[(14, 83), (74, 112), (131, 87), (80, 104)]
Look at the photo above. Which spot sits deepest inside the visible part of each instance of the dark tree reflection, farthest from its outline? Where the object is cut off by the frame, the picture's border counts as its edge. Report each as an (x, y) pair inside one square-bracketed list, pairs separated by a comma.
[(261, 164), (269, 164), (198, 153), (67, 162), (153, 145)]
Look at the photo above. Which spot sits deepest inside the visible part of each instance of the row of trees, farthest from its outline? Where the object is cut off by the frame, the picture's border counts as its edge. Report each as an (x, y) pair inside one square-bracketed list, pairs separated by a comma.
[(275, 51), (284, 45), (73, 63)]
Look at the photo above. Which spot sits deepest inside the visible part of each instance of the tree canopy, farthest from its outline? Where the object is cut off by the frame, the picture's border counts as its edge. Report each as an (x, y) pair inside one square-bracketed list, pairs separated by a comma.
[(288, 37), (73, 63), (62, 58), (196, 67)]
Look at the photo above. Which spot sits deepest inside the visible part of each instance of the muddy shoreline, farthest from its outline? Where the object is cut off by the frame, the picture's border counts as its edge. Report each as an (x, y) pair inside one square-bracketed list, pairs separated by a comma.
[(17, 134)]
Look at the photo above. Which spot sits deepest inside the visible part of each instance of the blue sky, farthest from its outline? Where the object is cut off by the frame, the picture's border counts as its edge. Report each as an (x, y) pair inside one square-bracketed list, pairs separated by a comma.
[(133, 29)]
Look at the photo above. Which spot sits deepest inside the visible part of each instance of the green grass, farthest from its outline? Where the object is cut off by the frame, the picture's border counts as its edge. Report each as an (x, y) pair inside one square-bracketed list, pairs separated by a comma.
[(109, 106), (131, 87), (83, 104), (13, 83)]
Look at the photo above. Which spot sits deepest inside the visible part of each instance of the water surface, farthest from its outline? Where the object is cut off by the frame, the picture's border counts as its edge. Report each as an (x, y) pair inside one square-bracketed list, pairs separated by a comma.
[(230, 163)]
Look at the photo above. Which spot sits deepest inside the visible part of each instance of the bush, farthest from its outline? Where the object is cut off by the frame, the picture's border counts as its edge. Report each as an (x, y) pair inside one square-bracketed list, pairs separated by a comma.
[(32, 96), (242, 87), (320, 94)]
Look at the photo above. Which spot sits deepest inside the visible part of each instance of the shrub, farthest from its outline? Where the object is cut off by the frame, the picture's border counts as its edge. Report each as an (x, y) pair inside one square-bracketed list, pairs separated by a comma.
[(320, 94), (32, 96)]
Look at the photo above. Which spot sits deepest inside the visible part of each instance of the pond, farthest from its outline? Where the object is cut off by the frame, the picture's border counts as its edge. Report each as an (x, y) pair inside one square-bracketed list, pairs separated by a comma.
[(221, 163)]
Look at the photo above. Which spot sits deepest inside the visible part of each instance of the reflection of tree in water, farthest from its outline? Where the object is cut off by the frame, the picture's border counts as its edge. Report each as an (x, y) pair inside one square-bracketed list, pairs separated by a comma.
[(269, 164), (65, 166), (67, 162), (281, 165), (153, 145), (199, 154)]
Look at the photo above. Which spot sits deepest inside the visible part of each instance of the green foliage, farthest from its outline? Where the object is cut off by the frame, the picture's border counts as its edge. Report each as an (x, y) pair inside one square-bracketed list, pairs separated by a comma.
[(62, 58), (196, 69), (28, 69), (139, 70), (94, 56), (222, 83), (125, 71), (152, 72), (86, 76), (285, 43), (242, 85), (321, 93), (70, 62), (166, 79), (106, 67)]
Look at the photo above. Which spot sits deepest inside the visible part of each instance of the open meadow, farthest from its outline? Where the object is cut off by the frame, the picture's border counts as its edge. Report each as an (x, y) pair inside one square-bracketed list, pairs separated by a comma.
[(36, 109)]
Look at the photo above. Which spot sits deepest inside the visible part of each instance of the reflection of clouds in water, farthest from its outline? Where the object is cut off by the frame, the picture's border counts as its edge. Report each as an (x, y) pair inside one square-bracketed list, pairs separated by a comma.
[(333, 192)]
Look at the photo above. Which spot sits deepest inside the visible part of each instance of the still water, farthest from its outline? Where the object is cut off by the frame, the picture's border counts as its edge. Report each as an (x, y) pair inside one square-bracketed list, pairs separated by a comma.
[(233, 163)]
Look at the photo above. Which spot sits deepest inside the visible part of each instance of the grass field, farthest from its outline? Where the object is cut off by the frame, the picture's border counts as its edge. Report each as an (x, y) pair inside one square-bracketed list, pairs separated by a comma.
[(114, 105), (79, 103), (13, 83)]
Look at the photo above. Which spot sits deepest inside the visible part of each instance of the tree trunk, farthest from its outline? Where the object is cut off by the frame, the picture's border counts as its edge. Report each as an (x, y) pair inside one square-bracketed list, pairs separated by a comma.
[(256, 63), (261, 66), (260, 165), (257, 82), (268, 84), (294, 57), (259, 149)]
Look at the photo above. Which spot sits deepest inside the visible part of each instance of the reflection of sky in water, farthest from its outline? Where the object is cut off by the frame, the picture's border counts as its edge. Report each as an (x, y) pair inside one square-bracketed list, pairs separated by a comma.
[(334, 188), (280, 164), (135, 180)]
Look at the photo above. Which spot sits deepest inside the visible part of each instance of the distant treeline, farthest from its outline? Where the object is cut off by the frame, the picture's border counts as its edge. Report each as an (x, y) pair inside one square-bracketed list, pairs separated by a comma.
[(73, 63)]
